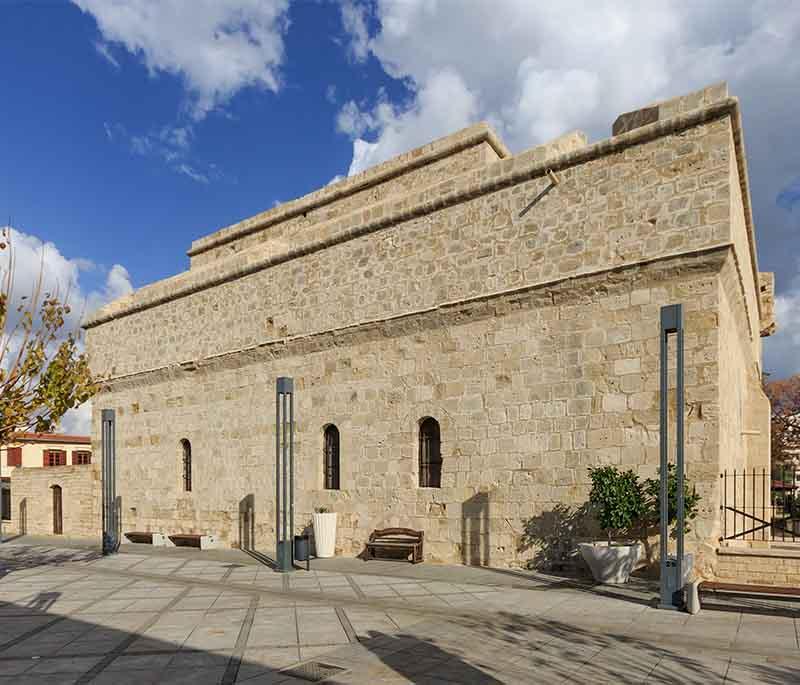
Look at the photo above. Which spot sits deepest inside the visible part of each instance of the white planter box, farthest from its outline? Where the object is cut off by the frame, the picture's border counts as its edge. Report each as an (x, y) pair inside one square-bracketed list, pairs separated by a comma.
[(610, 564), (325, 534)]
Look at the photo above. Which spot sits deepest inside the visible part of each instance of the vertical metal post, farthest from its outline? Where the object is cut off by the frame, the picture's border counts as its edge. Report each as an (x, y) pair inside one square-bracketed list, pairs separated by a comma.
[(671, 570), (284, 474), (680, 402), (109, 478)]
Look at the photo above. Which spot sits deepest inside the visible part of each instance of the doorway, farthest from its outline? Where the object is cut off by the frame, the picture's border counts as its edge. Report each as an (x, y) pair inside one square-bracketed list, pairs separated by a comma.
[(58, 517)]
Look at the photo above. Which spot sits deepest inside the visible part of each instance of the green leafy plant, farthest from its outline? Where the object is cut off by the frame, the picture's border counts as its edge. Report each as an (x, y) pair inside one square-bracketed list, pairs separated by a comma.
[(652, 492), (617, 499), (322, 510)]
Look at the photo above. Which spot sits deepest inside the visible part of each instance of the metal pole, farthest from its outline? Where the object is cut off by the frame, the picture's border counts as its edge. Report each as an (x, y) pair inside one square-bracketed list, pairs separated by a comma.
[(671, 573), (108, 448), (679, 454), (291, 478), (663, 457), (284, 471), (277, 475)]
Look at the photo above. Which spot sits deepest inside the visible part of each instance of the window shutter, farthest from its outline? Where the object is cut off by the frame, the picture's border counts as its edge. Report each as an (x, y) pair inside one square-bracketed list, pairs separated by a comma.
[(14, 456), (45, 454), (62, 458), (75, 458)]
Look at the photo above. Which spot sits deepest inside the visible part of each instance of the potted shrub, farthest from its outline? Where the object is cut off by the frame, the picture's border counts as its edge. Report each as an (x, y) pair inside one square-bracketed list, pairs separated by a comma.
[(324, 522), (618, 502)]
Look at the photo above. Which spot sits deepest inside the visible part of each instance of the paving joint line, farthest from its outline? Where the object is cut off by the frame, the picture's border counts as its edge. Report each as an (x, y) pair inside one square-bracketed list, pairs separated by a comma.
[(359, 592), (35, 631), (235, 662), (297, 631), (137, 634), (348, 627)]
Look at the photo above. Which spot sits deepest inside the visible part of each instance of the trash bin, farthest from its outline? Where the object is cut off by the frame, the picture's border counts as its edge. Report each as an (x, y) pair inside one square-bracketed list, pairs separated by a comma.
[(301, 547)]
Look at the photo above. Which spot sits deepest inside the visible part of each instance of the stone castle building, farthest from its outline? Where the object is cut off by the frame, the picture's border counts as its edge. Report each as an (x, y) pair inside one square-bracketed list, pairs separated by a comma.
[(461, 353)]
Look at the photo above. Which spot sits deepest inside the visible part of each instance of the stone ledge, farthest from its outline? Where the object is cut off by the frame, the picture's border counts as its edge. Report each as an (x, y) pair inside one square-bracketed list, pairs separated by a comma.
[(771, 552)]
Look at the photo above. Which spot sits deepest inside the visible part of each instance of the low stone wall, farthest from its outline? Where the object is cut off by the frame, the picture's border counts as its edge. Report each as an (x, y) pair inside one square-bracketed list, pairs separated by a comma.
[(32, 500), (759, 566)]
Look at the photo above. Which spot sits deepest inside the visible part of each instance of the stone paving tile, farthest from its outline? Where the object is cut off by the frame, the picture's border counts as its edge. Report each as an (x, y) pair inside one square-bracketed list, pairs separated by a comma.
[(135, 662), (260, 660), (689, 669)]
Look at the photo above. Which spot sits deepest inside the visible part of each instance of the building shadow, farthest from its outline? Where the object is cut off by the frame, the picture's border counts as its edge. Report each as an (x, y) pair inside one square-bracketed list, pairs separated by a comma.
[(423, 660), (247, 523), (479, 648), (475, 533), (43, 601), (553, 538)]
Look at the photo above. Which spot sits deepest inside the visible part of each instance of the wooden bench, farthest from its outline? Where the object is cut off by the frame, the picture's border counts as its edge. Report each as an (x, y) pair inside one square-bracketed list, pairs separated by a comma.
[(185, 540), (396, 540), (146, 538)]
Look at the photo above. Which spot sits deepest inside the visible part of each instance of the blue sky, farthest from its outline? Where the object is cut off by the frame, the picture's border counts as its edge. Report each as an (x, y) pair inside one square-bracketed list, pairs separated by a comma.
[(71, 175), (132, 127)]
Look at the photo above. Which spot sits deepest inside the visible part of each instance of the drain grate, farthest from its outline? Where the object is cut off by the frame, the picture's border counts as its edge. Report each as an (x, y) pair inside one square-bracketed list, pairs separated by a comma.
[(313, 671)]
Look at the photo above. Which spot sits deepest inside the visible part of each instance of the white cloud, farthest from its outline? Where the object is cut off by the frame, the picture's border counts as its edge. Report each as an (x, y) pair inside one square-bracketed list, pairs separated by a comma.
[(537, 69), (330, 93), (443, 105), (355, 25), (105, 51), (782, 350), (60, 276), (217, 47)]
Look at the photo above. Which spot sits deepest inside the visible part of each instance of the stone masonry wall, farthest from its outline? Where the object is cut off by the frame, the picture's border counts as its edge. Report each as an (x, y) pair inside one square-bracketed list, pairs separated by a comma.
[(529, 391), (32, 500), (759, 566), (610, 211), (285, 234), (531, 337)]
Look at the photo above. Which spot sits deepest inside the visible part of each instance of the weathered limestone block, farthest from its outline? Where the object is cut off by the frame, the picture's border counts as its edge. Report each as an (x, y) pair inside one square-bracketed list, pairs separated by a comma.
[(422, 290)]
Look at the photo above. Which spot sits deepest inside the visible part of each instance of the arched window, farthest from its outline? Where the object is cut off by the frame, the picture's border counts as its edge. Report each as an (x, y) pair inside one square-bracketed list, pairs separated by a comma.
[(430, 454), (186, 448), (331, 457)]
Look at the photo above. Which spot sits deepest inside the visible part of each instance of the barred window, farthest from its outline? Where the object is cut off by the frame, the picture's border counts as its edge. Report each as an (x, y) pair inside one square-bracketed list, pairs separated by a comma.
[(186, 448), (430, 454), (331, 457)]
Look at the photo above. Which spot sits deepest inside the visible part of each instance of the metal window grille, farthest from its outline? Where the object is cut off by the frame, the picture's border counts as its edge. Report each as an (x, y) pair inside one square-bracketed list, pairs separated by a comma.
[(187, 465), (430, 454), (758, 505), (331, 458)]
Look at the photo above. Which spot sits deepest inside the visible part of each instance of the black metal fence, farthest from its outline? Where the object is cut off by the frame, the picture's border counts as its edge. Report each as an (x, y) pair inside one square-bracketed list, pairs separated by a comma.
[(759, 505)]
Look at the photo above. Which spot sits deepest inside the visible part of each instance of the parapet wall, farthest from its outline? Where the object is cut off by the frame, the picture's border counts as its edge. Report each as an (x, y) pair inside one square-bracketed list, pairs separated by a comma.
[(289, 225), (656, 192)]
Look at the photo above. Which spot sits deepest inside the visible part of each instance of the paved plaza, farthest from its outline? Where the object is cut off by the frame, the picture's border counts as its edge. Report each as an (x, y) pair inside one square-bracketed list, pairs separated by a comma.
[(69, 615)]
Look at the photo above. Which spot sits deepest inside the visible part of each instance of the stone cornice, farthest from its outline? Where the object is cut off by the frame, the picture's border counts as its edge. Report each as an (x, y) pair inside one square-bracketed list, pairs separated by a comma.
[(490, 178), (414, 159), (706, 260)]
